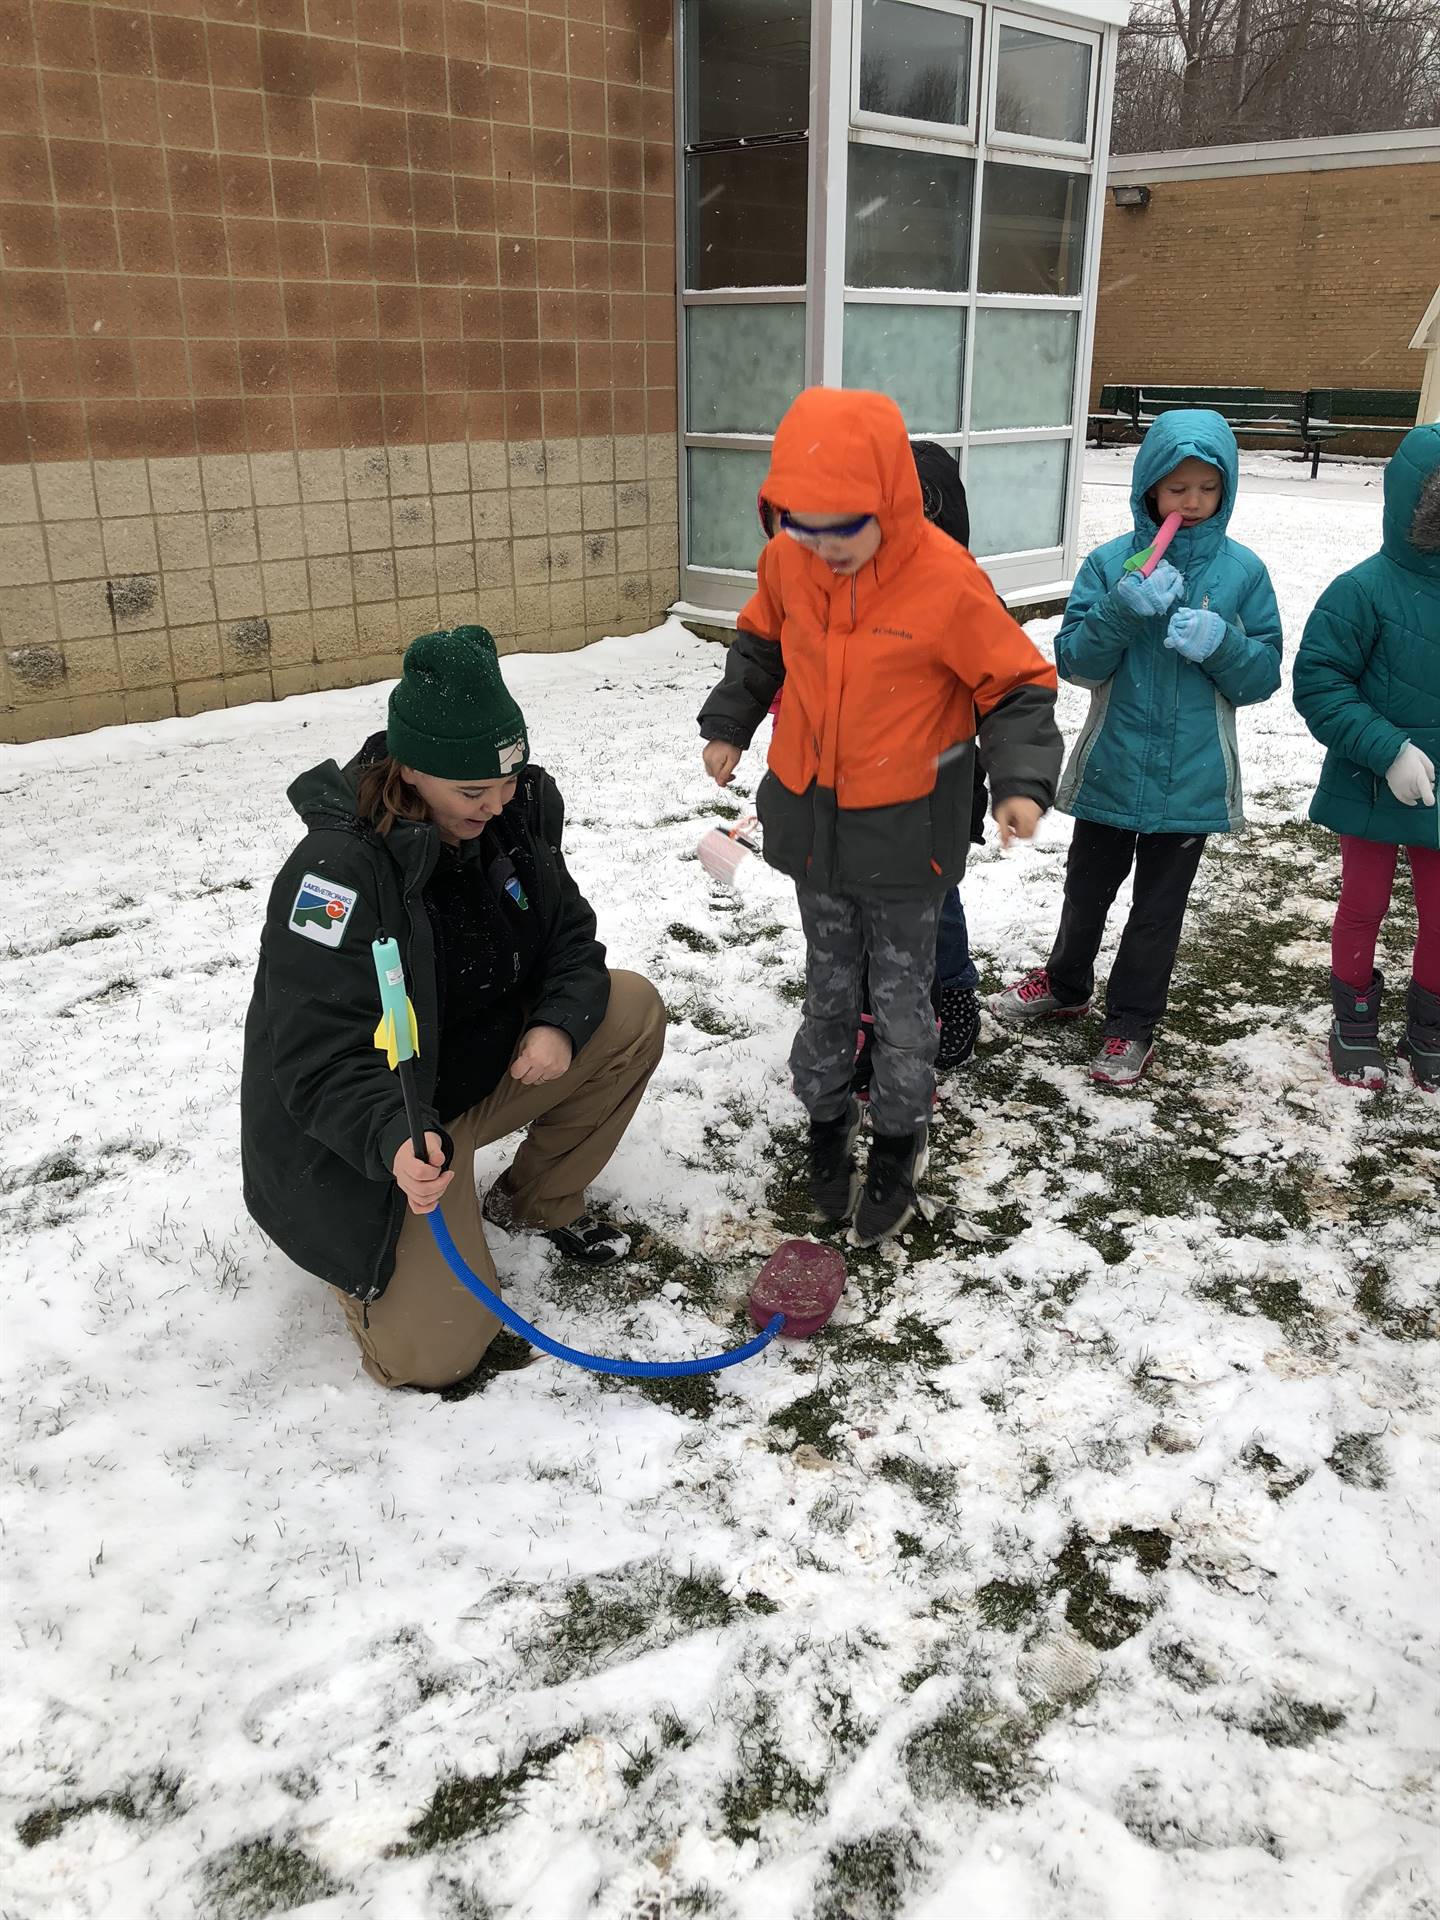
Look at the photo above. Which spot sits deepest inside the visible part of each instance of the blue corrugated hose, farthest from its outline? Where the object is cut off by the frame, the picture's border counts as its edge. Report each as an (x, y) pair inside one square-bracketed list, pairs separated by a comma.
[(592, 1362)]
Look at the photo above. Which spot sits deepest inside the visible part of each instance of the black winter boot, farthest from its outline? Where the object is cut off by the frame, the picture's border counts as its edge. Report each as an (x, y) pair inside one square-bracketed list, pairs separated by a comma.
[(834, 1181), (1355, 1056), (959, 1026), (1421, 1044), (897, 1163)]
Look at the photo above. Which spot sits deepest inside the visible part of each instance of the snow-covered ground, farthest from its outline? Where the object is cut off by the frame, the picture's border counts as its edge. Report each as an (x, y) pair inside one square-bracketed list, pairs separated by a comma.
[(1084, 1569)]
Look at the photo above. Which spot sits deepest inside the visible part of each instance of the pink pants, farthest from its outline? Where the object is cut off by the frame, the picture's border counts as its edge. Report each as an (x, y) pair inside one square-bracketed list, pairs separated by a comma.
[(1367, 870)]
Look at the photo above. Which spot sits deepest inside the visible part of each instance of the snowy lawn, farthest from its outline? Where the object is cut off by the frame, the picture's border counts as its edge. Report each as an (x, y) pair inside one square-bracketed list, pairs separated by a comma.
[(1085, 1566)]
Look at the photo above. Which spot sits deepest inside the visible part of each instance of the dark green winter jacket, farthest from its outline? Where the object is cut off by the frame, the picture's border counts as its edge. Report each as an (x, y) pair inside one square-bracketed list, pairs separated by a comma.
[(321, 1114), (1367, 676)]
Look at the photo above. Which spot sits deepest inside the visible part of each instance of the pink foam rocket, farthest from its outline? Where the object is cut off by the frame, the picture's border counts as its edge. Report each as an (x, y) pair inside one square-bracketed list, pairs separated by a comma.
[(723, 850), (1145, 563), (804, 1281)]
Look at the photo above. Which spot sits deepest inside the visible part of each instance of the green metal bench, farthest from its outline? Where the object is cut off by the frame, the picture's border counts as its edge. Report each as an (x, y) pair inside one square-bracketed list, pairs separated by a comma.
[(1333, 411), (1119, 407), (1261, 413)]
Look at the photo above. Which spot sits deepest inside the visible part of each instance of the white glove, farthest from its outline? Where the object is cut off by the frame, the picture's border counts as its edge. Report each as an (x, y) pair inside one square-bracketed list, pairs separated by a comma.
[(1411, 777)]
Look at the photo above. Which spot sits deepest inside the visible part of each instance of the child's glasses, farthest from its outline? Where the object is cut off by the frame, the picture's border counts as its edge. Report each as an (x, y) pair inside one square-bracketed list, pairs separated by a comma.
[(812, 536)]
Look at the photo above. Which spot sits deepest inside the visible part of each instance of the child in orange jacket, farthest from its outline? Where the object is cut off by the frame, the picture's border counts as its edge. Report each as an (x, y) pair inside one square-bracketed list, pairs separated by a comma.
[(889, 642)]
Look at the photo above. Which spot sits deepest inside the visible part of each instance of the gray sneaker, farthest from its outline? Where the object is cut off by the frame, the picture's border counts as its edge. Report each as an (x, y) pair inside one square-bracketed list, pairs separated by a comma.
[(1121, 1062), (1031, 999)]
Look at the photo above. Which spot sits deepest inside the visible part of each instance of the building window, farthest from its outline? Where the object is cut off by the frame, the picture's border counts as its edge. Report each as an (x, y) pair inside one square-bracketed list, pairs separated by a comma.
[(928, 236)]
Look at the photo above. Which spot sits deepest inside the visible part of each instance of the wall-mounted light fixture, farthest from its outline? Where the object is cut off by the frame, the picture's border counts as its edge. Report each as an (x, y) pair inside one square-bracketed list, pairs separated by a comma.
[(1131, 196)]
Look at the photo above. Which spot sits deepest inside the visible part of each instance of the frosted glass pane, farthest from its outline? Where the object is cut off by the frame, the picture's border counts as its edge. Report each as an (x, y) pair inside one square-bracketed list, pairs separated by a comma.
[(743, 366), (915, 62), (915, 354), (747, 68), (1042, 86), (1024, 368), (745, 217), (724, 524), (1032, 230), (908, 219), (1016, 495)]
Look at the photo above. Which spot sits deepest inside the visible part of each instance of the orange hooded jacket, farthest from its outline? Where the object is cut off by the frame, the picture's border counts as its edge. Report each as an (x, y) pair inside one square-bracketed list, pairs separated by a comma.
[(885, 672)]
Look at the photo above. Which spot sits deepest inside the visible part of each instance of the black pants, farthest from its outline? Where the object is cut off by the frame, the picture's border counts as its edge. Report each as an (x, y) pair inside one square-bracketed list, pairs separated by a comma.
[(1100, 857)]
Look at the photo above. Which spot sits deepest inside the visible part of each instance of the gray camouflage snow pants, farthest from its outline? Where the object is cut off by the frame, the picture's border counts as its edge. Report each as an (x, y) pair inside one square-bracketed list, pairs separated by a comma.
[(899, 938)]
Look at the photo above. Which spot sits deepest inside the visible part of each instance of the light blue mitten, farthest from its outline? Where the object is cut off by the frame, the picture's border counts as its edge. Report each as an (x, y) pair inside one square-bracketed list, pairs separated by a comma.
[(1144, 597), (1195, 632)]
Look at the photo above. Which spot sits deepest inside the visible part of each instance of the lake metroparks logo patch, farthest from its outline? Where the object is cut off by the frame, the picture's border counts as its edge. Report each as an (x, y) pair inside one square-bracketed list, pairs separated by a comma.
[(321, 910)]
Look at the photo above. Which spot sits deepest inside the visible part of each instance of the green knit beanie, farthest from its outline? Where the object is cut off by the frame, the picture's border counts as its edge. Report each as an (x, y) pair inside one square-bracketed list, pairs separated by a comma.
[(451, 714)]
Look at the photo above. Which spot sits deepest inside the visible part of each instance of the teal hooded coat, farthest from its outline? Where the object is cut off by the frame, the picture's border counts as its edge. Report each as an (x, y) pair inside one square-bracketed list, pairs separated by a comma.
[(1367, 676), (1157, 752)]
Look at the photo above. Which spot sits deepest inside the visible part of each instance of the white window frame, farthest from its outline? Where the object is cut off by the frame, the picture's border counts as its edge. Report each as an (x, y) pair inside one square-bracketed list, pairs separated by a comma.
[(948, 130), (1000, 139)]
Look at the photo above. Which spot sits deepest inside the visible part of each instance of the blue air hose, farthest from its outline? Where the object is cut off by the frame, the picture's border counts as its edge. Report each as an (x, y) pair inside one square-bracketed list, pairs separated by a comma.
[(591, 1362)]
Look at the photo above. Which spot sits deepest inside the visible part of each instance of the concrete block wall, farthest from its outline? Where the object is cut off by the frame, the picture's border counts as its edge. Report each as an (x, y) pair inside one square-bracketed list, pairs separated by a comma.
[(321, 322)]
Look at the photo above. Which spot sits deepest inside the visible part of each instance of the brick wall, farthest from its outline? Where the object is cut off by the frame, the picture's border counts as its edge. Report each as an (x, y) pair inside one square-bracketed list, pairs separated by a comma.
[(321, 322), (1271, 280)]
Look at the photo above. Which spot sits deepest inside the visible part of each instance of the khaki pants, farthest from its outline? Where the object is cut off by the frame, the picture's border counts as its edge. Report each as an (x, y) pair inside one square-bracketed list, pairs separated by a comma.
[(426, 1330)]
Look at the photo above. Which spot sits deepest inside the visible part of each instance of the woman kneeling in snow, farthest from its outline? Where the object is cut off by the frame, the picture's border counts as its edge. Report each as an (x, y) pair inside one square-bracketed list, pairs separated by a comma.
[(442, 833)]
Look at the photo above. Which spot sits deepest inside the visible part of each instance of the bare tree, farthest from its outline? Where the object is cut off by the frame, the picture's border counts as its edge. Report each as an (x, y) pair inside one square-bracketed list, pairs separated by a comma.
[(1203, 72)]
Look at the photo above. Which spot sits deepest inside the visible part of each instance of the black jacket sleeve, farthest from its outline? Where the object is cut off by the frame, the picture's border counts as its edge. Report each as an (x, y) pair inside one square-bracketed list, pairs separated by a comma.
[(1022, 747), (321, 1007), (575, 991), (754, 674)]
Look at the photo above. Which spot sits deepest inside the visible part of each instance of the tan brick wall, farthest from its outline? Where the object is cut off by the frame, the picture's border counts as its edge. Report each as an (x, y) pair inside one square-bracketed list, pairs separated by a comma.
[(1271, 280), (322, 320)]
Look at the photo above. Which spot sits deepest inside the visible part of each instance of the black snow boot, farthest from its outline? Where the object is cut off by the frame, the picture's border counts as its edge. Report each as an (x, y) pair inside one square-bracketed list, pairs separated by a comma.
[(1421, 1044), (959, 1027), (834, 1181), (1355, 1056), (897, 1162)]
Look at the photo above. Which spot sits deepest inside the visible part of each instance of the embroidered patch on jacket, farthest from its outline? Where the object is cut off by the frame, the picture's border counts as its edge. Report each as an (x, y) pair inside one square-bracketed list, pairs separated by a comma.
[(322, 910)]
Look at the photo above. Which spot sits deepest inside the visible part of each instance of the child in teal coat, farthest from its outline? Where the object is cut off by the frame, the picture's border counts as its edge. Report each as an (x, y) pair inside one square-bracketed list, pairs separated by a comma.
[(1156, 768), (1367, 684)]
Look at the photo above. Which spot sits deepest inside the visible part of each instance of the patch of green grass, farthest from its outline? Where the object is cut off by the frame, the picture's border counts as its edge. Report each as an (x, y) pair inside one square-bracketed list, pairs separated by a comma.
[(1008, 1604), (263, 1877), (1280, 1481), (974, 1750), (931, 1486), (1184, 1666), (619, 1614), (811, 1417), (1097, 1612), (692, 938), (1090, 1220), (506, 1353), (75, 937), (1279, 1300), (766, 1782), (465, 1804), (908, 1547), (1294, 1723), (1374, 1300), (154, 1798), (868, 1879), (670, 1733), (1359, 1460)]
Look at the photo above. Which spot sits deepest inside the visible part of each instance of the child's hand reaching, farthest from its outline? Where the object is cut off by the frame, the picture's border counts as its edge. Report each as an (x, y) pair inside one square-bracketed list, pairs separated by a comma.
[(721, 759), (1411, 777), (1017, 819), (1158, 594)]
